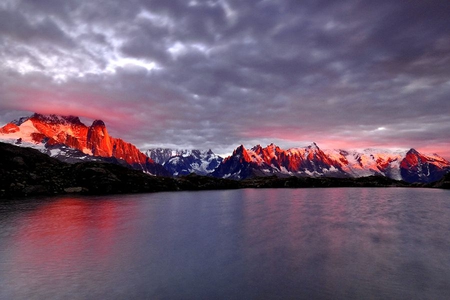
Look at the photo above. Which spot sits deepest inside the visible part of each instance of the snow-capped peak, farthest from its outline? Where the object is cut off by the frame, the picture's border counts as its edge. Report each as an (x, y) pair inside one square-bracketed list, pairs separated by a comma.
[(185, 161)]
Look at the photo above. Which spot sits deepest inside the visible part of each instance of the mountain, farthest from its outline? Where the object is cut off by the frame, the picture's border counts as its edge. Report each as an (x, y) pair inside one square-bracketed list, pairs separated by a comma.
[(259, 161), (161, 155), (68, 139), (417, 167), (311, 161), (28, 172), (369, 162), (184, 162)]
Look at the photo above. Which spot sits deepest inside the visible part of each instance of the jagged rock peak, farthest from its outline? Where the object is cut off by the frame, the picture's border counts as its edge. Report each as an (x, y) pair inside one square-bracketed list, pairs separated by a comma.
[(313, 146), (98, 123), (20, 121), (239, 149), (54, 119), (412, 151), (257, 149), (272, 145)]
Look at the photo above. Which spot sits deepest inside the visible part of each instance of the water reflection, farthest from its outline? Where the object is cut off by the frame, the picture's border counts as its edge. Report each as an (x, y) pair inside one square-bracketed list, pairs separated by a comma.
[(72, 240), (285, 243)]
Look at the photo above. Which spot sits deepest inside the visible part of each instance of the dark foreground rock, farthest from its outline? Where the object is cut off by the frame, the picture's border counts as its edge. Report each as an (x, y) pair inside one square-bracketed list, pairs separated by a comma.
[(197, 182), (444, 183), (307, 182), (27, 172)]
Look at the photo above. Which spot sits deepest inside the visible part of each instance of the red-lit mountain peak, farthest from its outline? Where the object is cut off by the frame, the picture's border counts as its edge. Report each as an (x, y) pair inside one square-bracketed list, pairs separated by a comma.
[(416, 161), (9, 128), (257, 149), (412, 159), (418, 167), (271, 154), (410, 166), (53, 130), (53, 119), (98, 140), (242, 154)]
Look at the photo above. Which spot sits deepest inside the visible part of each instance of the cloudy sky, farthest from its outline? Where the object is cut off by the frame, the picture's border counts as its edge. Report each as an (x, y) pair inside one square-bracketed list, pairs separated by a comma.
[(216, 74)]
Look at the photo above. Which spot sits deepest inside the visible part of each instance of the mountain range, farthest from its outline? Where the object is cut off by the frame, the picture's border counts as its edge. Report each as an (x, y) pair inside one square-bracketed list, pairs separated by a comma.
[(311, 161), (68, 139)]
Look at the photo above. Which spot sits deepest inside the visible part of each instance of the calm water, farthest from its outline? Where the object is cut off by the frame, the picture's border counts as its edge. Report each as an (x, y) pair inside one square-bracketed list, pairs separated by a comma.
[(237, 244)]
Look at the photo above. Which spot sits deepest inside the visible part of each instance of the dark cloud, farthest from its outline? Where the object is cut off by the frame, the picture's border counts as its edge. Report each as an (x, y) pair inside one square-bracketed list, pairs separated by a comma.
[(17, 27), (217, 73)]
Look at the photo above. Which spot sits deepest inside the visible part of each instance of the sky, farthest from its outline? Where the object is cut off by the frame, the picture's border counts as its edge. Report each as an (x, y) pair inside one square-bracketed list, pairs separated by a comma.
[(216, 74)]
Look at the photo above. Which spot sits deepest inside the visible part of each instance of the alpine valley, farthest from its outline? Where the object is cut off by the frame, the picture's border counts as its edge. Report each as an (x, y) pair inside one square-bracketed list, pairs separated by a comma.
[(68, 139)]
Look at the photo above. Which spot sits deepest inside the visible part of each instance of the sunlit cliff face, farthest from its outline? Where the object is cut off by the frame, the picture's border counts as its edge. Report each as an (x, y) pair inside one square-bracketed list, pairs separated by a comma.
[(70, 131), (99, 140)]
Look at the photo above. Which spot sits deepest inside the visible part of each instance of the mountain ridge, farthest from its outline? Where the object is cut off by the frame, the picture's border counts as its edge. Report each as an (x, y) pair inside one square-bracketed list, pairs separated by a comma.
[(51, 132), (68, 139), (181, 162), (410, 166), (27, 172)]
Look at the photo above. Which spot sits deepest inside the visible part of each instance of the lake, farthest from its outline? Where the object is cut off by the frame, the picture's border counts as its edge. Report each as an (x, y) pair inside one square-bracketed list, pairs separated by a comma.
[(335, 243)]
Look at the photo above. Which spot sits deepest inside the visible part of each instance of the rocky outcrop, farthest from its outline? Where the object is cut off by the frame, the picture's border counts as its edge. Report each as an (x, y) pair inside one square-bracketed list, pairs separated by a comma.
[(98, 140)]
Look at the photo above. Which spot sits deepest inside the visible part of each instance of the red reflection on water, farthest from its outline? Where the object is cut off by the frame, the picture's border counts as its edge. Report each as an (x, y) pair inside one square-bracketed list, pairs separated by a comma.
[(66, 236)]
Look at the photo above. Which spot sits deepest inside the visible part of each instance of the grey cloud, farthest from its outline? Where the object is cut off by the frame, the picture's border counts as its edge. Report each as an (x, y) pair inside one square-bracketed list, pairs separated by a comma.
[(18, 27), (243, 71), (145, 47), (60, 9)]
